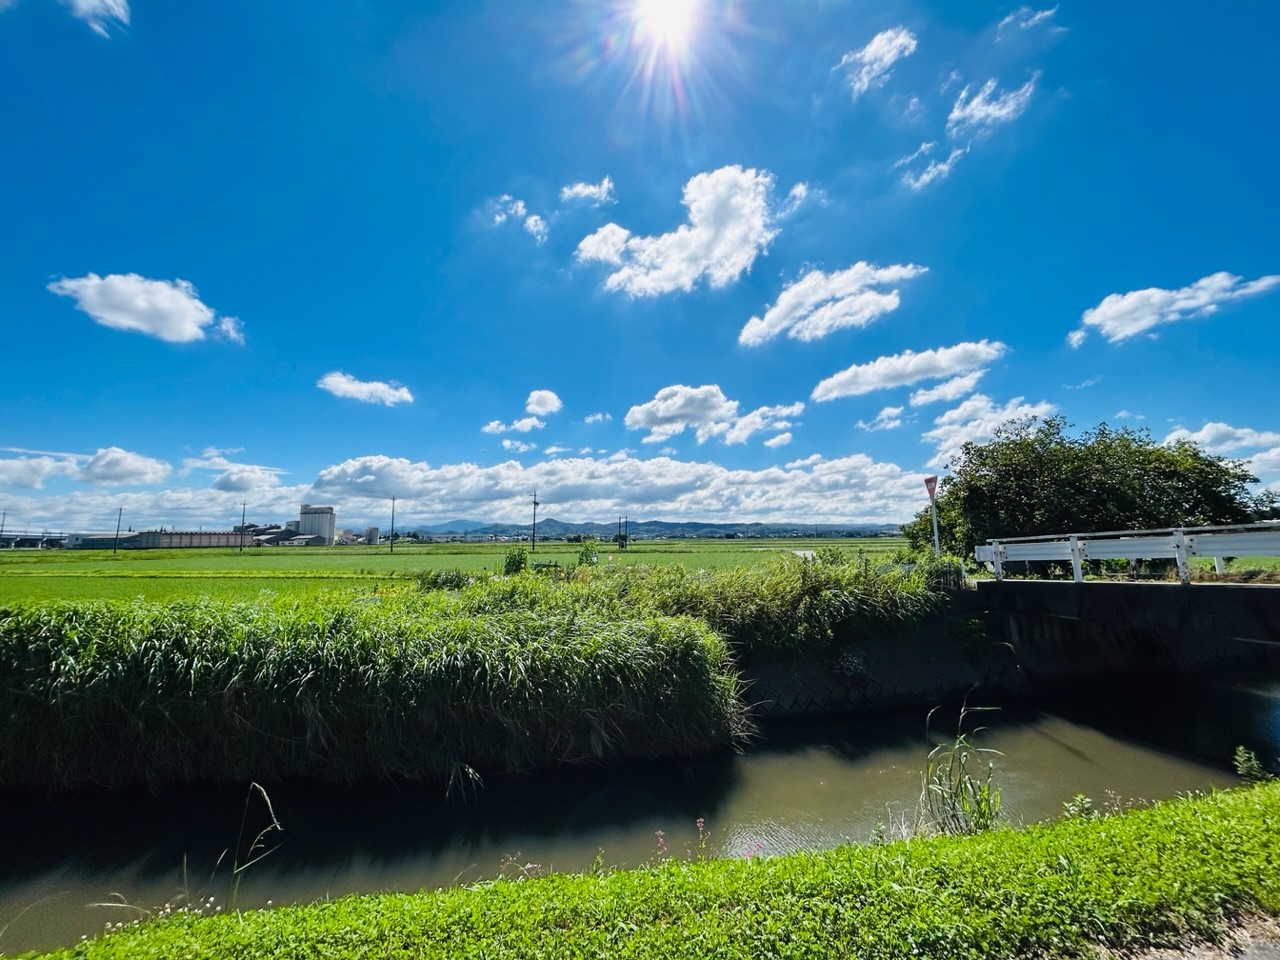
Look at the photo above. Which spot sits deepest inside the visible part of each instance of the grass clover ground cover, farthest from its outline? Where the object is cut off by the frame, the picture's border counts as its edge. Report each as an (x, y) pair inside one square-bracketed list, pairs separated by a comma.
[(1176, 871)]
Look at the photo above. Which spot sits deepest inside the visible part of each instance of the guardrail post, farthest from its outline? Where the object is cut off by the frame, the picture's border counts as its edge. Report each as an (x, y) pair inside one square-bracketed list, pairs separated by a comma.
[(998, 553), (1180, 555), (1219, 565), (1077, 568)]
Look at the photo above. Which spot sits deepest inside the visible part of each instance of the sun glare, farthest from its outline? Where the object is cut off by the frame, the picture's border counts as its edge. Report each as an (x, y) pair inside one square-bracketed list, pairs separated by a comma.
[(667, 23)]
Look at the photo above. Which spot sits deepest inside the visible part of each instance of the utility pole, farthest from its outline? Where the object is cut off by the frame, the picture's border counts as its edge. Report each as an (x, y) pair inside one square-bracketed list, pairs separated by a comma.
[(4, 515), (115, 546), (393, 524), (243, 505), (533, 539)]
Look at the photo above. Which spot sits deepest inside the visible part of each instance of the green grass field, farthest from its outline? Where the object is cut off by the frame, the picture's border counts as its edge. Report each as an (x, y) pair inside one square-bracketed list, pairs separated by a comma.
[(31, 575)]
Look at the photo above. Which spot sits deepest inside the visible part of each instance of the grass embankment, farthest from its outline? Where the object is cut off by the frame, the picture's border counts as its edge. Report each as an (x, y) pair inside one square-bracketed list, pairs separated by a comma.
[(506, 673), (111, 693), (1158, 876)]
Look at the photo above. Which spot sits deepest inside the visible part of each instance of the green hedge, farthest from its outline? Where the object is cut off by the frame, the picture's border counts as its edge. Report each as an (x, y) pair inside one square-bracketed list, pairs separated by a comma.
[(1156, 876), (117, 692)]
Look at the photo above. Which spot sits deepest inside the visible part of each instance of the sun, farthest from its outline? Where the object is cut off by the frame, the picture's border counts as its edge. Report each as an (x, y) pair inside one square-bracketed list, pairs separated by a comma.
[(665, 23)]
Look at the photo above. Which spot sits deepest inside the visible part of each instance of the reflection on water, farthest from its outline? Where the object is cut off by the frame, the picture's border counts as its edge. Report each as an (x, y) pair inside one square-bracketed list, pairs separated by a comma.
[(809, 784)]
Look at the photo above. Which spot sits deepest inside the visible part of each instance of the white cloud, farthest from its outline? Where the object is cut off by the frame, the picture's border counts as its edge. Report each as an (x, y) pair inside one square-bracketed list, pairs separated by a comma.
[(597, 417), (601, 192), (518, 446), (1123, 315), (936, 170), (820, 303), (1221, 438), (781, 440), (674, 408), (889, 418), (908, 367), (367, 391), (730, 224), (1266, 463), (927, 147), (762, 419), (554, 451), (99, 14), (983, 111), (543, 402), (1024, 18), (847, 489), (870, 66), (232, 477), (952, 389), (111, 465), (31, 472), (507, 206), (976, 420), (523, 425), (168, 310), (1127, 415), (536, 227)]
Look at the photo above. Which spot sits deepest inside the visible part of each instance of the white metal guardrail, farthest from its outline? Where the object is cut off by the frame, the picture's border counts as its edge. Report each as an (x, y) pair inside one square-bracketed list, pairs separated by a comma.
[(1178, 544)]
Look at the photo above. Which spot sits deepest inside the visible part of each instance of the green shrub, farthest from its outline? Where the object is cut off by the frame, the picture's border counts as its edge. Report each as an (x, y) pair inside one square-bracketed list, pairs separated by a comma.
[(516, 559)]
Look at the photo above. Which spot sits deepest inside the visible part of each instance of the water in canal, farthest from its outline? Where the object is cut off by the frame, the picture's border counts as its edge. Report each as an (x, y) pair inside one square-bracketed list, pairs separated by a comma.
[(810, 784)]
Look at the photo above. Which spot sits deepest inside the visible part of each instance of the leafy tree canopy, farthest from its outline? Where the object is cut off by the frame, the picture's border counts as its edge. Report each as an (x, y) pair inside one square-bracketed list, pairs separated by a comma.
[(1033, 478)]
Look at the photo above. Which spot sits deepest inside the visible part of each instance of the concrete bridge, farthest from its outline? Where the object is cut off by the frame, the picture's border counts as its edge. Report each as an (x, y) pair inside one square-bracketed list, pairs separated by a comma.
[(31, 539)]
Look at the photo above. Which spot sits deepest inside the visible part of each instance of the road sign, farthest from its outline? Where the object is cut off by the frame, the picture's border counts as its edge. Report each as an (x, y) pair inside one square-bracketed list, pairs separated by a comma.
[(931, 484)]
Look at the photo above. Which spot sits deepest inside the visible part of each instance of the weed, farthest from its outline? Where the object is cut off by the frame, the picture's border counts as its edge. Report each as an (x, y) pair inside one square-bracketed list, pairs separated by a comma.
[(954, 800)]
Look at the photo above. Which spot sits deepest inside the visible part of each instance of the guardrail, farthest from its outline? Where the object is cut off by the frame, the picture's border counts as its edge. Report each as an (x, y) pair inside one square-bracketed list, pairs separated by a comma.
[(1179, 544)]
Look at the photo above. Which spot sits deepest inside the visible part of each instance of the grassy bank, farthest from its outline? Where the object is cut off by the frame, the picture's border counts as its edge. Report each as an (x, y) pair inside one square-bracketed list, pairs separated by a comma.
[(1156, 876), (111, 693)]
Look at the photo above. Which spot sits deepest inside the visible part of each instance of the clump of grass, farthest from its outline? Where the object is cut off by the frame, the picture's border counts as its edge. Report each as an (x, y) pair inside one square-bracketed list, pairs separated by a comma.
[(112, 693), (1073, 888), (954, 798)]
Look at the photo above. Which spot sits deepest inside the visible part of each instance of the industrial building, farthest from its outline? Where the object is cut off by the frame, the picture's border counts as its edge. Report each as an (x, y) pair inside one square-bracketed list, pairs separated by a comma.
[(317, 522)]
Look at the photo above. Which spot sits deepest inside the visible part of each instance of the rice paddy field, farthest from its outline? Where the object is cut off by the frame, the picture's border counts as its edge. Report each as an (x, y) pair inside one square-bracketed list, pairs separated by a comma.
[(39, 575)]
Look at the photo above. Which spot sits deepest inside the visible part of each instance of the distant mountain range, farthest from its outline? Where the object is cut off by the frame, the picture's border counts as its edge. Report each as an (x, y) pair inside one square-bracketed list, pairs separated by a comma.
[(554, 529)]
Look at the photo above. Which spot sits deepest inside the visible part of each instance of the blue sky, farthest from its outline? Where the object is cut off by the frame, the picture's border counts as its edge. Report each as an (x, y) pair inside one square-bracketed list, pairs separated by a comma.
[(707, 260)]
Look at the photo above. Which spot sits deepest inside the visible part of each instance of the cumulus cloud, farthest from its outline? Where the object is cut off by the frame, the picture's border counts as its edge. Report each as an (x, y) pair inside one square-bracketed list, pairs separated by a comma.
[(846, 489), (1221, 438), (98, 14), (518, 446), (536, 227), (367, 391), (708, 412), (889, 418), (1024, 18), (555, 451), (523, 425), (1123, 315), (543, 402), (908, 367), (168, 310), (763, 419), (820, 303), (871, 65), (231, 476), (597, 417), (983, 110), (601, 192), (706, 409), (31, 472), (952, 389), (114, 466), (976, 420), (730, 223), (507, 207), (781, 440)]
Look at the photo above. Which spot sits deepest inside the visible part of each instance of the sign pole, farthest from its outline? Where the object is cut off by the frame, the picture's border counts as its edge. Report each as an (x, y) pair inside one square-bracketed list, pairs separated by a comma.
[(931, 484)]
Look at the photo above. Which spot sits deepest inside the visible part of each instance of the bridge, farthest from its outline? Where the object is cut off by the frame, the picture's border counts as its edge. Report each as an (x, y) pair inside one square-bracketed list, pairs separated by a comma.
[(1062, 630), (1178, 544), (31, 539)]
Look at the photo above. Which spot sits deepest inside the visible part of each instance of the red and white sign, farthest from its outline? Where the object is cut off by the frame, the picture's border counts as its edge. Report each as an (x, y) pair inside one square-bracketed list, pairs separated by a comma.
[(931, 484)]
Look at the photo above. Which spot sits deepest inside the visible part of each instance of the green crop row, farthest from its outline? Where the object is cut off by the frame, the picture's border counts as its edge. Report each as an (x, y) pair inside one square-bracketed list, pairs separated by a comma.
[(114, 692), (1160, 876)]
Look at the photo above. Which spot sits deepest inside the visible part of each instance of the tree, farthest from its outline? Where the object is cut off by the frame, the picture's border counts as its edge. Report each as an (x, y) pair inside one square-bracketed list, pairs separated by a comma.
[(1033, 478)]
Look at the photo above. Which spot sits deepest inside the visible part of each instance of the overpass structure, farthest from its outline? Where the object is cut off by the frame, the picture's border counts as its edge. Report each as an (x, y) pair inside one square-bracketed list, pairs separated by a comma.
[(1179, 544), (31, 539)]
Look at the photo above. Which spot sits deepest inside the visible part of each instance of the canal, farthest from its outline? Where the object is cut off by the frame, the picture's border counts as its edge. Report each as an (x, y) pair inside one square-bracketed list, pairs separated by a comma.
[(803, 784)]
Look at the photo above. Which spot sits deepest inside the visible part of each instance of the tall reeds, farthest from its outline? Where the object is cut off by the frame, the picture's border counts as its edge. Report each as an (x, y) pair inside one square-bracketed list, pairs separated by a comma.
[(110, 693)]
